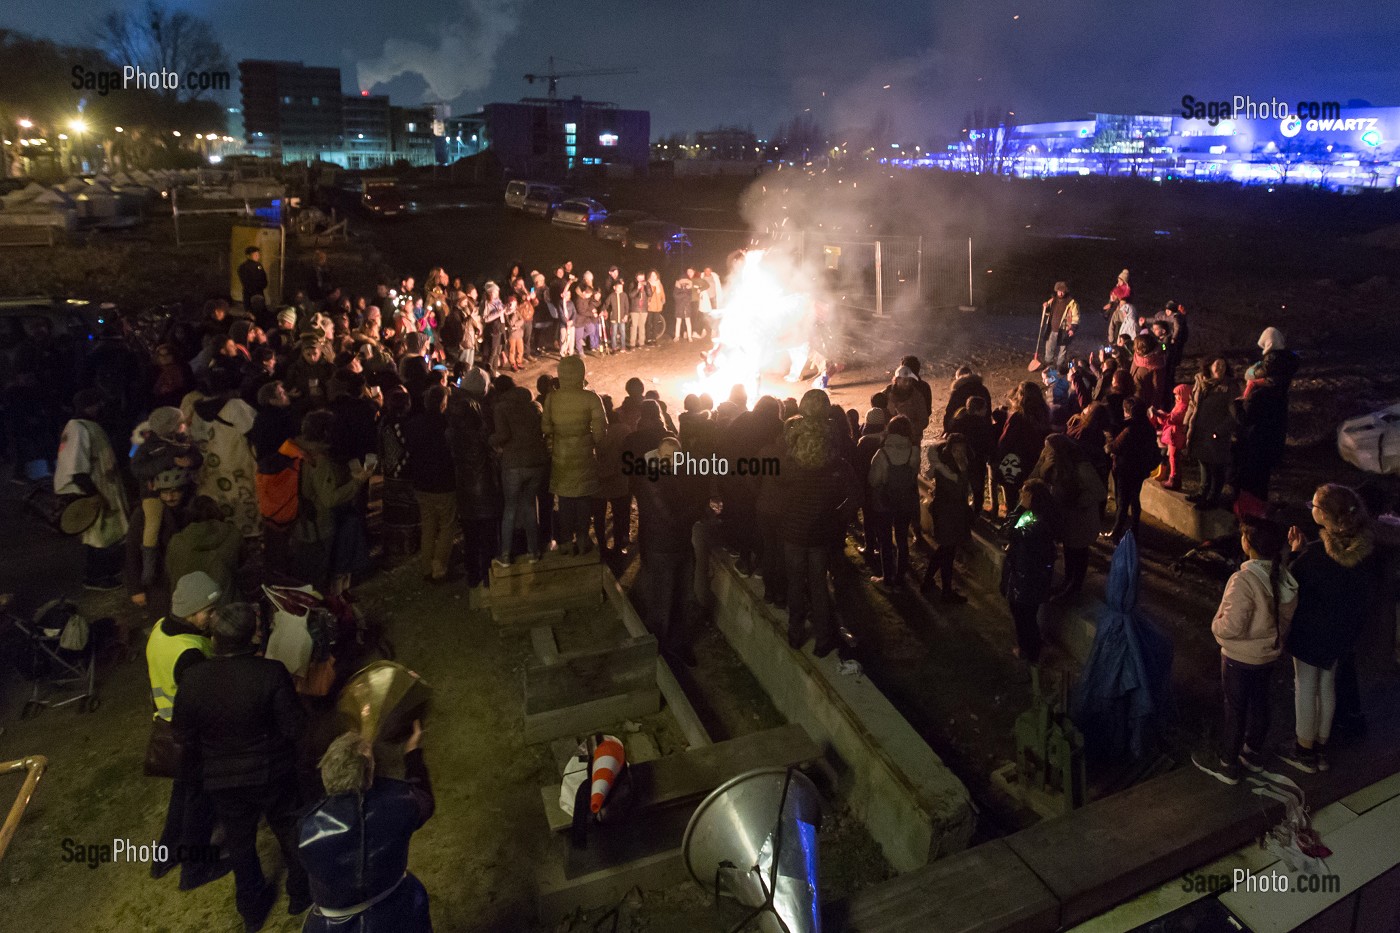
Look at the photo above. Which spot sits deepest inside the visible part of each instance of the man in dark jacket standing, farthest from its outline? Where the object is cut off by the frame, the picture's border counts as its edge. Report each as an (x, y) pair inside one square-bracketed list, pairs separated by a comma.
[(667, 508), (1135, 456), (819, 492), (253, 278), (431, 472), (238, 720), (966, 384)]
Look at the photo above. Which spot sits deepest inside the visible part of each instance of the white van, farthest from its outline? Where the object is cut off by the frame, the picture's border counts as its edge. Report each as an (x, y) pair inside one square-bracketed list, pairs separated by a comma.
[(515, 194)]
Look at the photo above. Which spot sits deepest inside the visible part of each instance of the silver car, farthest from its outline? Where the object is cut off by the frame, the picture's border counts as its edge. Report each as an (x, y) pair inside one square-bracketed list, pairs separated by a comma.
[(582, 213)]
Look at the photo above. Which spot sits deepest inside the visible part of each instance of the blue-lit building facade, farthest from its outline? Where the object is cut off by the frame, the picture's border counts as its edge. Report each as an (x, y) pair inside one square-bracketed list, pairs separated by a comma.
[(1353, 150)]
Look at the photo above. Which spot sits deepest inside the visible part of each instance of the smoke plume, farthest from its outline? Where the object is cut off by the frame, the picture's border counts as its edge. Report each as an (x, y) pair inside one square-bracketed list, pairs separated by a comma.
[(461, 58)]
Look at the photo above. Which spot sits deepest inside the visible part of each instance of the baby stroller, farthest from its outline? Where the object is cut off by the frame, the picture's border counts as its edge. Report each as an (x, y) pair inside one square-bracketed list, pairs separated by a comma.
[(58, 656)]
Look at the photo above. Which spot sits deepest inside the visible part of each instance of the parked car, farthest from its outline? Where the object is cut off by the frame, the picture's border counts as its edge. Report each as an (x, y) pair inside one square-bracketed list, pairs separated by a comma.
[(517, 191), (584, 213), (383, 199), (616, 225), (542, 201), (658, 235)]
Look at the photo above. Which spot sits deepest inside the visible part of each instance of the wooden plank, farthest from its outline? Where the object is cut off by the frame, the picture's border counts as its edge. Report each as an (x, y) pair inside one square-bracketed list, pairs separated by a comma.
[(581, 676), (676, 701), (590, 716), (1139, 838), (986, 888), (691, 774), (542, 639)]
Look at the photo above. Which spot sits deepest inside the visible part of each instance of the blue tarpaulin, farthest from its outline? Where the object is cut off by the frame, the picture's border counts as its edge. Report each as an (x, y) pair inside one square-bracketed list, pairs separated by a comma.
[(1124, 691)]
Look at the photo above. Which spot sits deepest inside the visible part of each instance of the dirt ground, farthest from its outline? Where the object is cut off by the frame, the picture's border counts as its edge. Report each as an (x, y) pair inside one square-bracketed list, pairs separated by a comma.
[(1306, 262)]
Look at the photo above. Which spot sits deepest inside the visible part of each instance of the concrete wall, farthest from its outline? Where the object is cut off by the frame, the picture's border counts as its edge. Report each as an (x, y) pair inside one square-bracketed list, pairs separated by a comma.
[(913, 806)]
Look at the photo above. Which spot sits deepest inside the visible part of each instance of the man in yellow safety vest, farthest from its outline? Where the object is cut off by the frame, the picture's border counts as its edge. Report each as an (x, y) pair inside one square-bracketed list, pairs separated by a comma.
[(177, 642)]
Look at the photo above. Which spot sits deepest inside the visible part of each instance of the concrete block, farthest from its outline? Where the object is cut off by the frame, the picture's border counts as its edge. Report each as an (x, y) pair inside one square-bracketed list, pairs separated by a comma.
[(912, 804), (1171, 509)]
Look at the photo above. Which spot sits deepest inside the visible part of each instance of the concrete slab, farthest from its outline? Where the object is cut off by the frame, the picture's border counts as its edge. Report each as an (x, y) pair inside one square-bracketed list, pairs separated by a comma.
[(546, 589), (912, 804), (1171, 509)]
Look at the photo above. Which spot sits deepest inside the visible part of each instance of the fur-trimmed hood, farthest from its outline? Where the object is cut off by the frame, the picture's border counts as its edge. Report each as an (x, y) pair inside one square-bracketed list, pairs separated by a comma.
[(1348, 550)]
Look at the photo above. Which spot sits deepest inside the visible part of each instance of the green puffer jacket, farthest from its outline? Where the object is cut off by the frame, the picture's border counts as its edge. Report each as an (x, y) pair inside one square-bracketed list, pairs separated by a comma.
[(574, 423)]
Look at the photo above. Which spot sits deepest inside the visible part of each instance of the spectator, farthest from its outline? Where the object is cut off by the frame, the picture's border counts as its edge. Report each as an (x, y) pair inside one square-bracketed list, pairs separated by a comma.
[(614, 493), (208, 543), (894, 498), (818, 490), (974, 422), (431, 471), (227, 475), (574, 424), (667, 509), (638, 300), (1251, 626), (478, 478), (1338, 577), (1261, 431), (328, 541), (905, 398), (524, 469), (1149, 373), (1135, 456), (366, 820), (87, 466), (167, 453), (966, 385), (1027, 423), (1172, 434), (1061, 320), (1077, 494), (1210, 428), (1029, 566), (950, 515), (237, 718)]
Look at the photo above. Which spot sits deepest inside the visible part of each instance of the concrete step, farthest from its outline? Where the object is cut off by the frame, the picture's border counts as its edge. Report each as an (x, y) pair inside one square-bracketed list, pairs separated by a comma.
[(1172, 510)]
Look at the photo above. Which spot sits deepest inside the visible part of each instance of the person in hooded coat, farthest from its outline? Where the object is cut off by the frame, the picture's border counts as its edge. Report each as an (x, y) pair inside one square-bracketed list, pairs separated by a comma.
[(479, 503), (894, 494), (819, 493), (208, 543), (950, 515), (1149, 373), (1135, 456), (906, 399), (1027, 423), (1281, 362), (220, 427), (1338, 579), (524, 469), (966, 384), (1261, 432), (1251, 626), (1078, 496), (574, 424), (1210, 429)]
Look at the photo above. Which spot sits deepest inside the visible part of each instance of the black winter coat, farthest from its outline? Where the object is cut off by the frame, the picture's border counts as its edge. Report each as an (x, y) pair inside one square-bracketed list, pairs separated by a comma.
[(816, 502), (1029, 566), (1334, 601), (478, 472), (964, 388), (1261, 419), (238, 719)]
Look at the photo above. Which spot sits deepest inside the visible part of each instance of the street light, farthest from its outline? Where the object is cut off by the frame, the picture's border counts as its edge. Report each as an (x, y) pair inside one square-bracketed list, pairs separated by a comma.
[(120, 130), (78, 125), (175, 133), (26, 124)]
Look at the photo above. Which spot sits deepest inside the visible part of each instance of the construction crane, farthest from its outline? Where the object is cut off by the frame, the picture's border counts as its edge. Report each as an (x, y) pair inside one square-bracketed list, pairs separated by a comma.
[(553, 76)]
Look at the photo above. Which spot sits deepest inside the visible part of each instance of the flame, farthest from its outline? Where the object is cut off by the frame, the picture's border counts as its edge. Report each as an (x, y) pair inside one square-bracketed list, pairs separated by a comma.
[(762, 322)]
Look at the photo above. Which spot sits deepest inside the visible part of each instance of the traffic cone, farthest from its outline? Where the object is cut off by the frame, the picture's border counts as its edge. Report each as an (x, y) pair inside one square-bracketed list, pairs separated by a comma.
[(608, 761)]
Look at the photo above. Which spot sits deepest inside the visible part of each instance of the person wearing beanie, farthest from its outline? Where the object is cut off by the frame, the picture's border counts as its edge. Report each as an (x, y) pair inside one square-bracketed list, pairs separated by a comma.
[(1061, 320), (906, 399), (965, 385), (178, 642), (167, 449), (875, 421)]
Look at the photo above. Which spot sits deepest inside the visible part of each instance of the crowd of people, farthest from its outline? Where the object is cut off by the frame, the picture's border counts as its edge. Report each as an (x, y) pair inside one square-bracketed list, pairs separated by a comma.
[(261, 444)]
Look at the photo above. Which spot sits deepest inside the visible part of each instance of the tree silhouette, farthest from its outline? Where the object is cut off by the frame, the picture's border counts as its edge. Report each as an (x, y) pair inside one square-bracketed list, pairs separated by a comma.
[(153, 36)]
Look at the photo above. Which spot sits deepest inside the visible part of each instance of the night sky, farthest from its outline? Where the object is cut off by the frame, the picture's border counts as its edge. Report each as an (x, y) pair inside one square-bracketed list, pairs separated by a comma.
[(758, 62)]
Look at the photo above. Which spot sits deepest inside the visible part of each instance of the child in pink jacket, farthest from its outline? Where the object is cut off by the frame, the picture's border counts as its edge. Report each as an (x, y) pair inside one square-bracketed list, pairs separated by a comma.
[(1172, 434)]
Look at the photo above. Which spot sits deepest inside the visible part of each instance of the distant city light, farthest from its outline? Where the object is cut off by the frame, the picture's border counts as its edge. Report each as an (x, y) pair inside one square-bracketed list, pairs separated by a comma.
[(607, 139), (78, 125), (364, 93), (175, 133), (27, 124), (119, 129)]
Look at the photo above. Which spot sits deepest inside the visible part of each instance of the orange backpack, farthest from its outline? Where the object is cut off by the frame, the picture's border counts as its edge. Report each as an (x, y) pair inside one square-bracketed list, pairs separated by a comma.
[(279, 485)]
